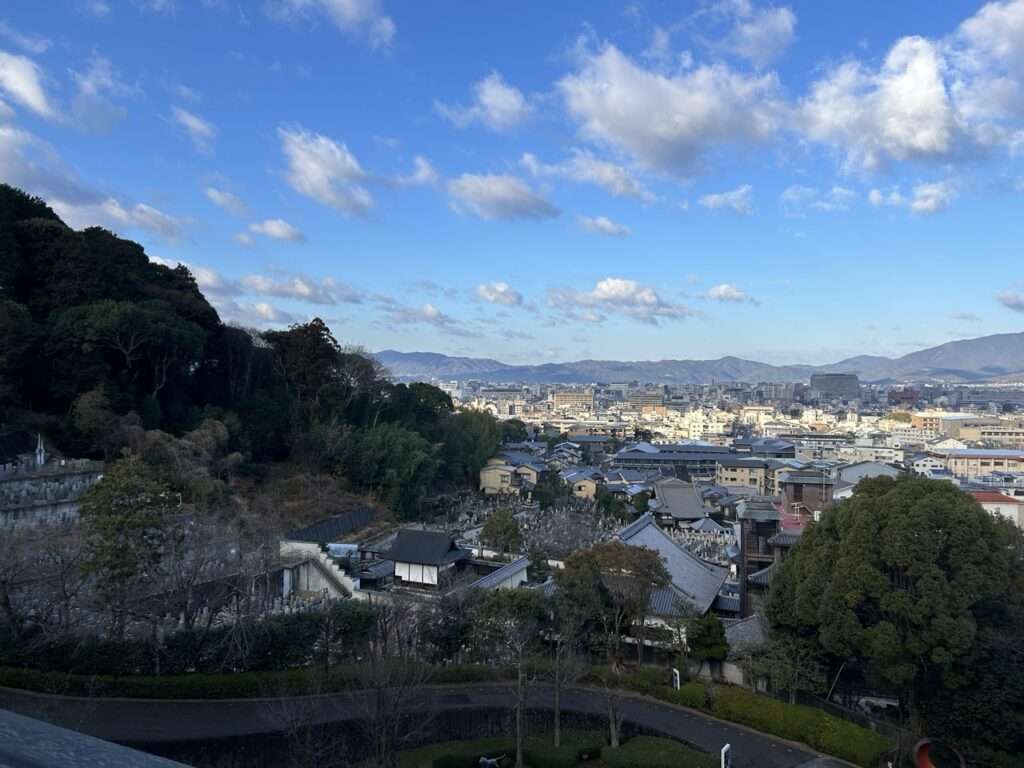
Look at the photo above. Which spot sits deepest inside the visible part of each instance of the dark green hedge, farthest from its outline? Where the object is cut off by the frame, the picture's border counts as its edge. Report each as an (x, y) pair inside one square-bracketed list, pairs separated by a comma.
[(652, 752)]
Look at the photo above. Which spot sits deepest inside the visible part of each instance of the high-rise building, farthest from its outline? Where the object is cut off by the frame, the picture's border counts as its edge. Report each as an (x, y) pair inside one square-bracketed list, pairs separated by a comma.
[(842, 386)]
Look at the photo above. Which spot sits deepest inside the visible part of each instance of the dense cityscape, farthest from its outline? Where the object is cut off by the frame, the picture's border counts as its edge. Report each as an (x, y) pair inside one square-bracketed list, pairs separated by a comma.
[(476, 385)]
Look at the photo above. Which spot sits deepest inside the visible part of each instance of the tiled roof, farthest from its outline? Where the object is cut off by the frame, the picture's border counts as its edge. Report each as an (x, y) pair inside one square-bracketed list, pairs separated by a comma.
[(994, 497), (763, 577), (425, 548), (679, 499), (758, 508), (494, 578), (784, 539), (698, 581)]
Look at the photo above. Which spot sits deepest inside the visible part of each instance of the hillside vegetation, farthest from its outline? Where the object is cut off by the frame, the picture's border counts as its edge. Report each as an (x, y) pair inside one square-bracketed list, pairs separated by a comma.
[(104, 350)]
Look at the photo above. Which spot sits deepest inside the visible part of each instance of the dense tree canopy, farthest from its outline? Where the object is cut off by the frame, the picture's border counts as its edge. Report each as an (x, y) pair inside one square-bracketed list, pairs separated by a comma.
[(901, 582), (97, 341)]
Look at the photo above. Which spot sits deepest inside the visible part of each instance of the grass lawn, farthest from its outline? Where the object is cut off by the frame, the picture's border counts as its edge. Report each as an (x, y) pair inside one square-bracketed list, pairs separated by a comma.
[(638, 752)]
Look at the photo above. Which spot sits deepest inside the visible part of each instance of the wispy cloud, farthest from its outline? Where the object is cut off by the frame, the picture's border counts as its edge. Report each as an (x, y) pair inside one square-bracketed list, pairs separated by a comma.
[(493, 197)]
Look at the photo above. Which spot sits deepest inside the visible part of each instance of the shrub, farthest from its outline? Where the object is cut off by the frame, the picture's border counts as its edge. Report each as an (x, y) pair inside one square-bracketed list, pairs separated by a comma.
[(693, 694), (653, 752)]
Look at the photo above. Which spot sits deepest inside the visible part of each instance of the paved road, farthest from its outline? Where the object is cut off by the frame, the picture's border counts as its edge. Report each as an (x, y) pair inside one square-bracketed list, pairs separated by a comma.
[(141, 721)]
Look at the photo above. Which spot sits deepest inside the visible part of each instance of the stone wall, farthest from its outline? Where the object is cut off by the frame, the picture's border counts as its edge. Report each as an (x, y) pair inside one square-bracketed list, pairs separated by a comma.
[(51, 496)]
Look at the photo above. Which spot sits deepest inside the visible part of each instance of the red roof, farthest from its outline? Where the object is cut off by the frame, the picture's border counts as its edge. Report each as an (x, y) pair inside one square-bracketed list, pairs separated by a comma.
[(994, 497)]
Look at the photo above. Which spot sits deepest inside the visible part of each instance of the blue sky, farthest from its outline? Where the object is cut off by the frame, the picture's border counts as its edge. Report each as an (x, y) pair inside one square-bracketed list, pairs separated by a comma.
[(540, 181)]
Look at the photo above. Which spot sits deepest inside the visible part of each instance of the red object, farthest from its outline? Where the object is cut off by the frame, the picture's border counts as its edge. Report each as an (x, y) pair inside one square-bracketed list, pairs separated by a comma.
[(995, 497)]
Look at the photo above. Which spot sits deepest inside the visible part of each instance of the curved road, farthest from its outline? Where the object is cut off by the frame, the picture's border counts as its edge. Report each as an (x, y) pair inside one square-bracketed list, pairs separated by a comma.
[(141, 721)]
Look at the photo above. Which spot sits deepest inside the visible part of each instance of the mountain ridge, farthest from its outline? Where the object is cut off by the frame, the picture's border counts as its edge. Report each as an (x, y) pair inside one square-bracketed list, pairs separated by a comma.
[(992, 357)]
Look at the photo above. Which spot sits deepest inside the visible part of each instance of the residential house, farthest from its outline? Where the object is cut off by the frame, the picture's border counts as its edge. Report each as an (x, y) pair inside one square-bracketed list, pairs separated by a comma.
[(747, 473), (499, 479), (848, 475), (677, 502), (1001, 505), (583, 482), (425, 559), (806, 490)]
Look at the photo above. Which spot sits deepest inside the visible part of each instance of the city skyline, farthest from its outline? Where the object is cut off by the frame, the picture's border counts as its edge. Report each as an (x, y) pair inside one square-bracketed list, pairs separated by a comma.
[(631, 181)]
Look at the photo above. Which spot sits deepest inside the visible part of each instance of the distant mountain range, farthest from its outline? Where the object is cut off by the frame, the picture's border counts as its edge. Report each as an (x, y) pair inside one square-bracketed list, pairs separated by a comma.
[(988, 358)]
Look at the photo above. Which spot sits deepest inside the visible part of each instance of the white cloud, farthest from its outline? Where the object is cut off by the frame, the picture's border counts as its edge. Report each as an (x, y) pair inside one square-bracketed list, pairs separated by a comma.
[(893, 198), (22, 81), (727, 292), (30, 43), (500, 293), (759, 35), (422, 173), (99, 9), (277, 229), (797, 197), (201, 132), (932, 197), (738, 200), (156, 6), (584, 167), (244, 239), (1011, 300), (363, 17), (603, 226), (325, 171), (302, 288), (260, 314), (492, 197), (925, 198), (427, 314), (668, 123), (92, 106), (28, 162), (209, 280), (901, 112), (229, 201), (616, 295), (152, 220), (496, 104)]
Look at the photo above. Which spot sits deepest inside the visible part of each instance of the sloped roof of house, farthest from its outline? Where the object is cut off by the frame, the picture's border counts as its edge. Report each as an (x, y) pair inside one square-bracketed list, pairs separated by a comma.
[(696, 580), (763, 577), (494, 578), (425, 548), (758, 508), (679, 499), (994, 497)]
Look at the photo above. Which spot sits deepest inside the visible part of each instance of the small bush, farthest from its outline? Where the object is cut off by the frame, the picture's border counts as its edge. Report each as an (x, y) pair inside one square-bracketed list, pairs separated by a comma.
[(693, 694), (653, 752)]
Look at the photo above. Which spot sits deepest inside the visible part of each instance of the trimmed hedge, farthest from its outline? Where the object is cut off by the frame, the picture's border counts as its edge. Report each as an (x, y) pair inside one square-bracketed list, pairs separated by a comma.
[(653, 752), (818, 730)]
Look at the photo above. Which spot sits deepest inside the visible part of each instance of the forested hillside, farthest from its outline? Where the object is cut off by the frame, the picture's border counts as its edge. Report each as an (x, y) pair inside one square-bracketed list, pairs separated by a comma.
[(103, 350)]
